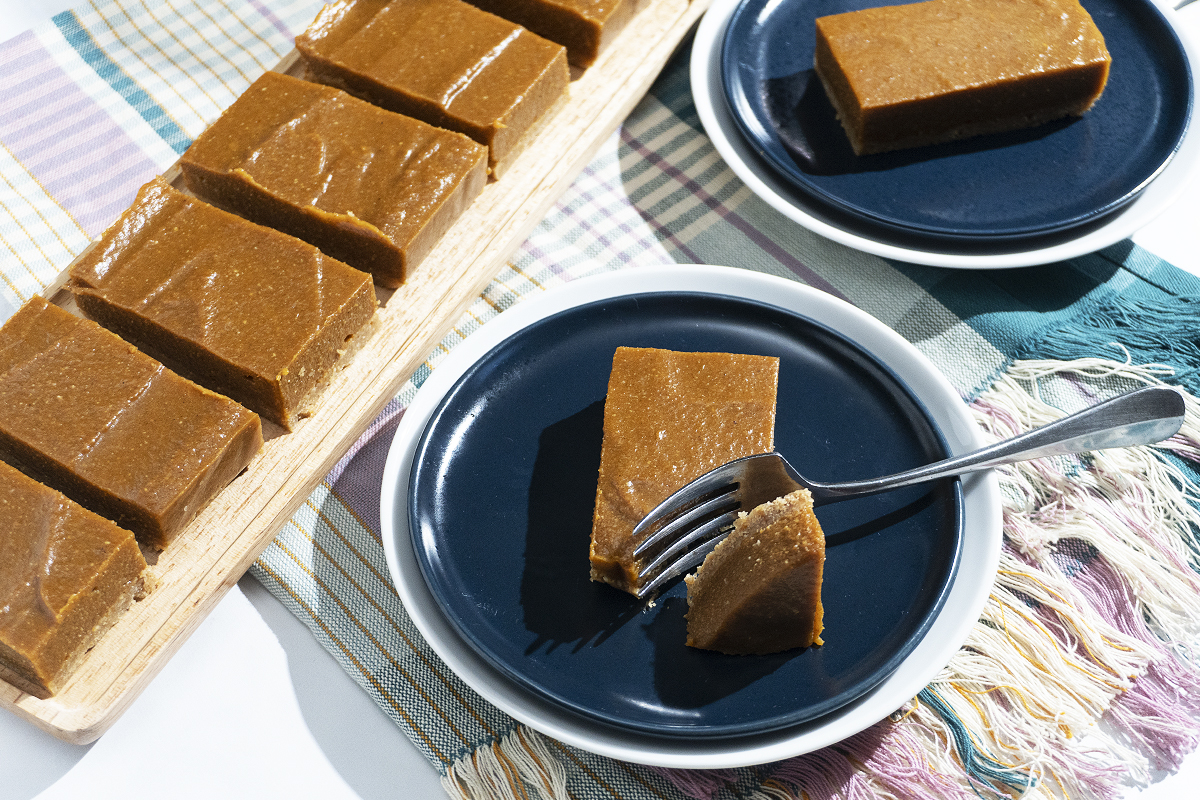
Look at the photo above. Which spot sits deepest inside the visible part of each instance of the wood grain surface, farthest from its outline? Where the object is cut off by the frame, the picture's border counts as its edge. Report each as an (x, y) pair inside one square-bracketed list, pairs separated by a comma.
[(208, 558)]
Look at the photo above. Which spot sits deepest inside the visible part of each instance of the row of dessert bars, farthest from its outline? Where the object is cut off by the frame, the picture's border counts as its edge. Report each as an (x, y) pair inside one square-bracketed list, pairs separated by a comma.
[(331, 194)]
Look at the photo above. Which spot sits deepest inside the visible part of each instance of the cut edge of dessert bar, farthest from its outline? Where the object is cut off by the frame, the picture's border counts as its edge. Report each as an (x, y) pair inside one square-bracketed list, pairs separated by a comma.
[(586, 29), (157, 218), (42, 646), (759, 591), (996, 97), (719, 407), (505, 137), (154, 520)]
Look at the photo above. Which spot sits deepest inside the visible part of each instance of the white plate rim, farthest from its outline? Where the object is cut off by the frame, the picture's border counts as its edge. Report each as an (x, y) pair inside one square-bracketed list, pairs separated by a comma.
[(972, 585), (718, 123)]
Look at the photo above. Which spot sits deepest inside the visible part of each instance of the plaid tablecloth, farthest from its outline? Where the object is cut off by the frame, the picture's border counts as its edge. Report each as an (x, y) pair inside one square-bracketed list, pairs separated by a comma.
[(1097, 602)]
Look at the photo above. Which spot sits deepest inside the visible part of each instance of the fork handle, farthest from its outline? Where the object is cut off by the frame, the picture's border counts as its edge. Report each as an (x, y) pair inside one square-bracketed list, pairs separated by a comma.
[(1143, 416)]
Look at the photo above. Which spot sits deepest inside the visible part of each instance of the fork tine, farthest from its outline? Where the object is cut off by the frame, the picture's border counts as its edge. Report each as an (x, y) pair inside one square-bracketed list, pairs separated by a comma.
[(687, 519), (698, 534), (687, 497), (689, 560)]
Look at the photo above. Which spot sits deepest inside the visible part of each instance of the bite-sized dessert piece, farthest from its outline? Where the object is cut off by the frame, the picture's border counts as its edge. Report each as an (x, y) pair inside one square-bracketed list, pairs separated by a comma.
[(66, 574), (88, 414), (442, 61), (584, 27), (244, 310), (371, 188), (669, 418), (910, 75), (759, 591)]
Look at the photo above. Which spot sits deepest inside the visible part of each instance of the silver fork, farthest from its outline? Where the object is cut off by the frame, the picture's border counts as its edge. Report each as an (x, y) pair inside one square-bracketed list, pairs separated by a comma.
[(690, 523)]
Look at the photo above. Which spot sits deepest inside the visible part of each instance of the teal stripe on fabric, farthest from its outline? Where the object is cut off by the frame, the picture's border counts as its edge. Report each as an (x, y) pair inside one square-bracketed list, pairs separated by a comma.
[(979, 765), (1015, 308), (674, 89), (112, 74)]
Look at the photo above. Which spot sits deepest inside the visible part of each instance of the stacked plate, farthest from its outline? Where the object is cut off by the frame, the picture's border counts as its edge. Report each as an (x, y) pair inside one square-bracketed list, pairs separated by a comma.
[(1005, 200), (489, 488)]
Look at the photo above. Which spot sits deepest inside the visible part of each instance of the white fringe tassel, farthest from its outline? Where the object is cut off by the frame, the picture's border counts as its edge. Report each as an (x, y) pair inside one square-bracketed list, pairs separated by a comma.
[(520, 766), (1043, 666)]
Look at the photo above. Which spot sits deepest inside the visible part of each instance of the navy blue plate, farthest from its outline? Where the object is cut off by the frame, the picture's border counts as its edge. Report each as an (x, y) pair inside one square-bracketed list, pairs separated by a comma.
[(997, 188), (504, 482)]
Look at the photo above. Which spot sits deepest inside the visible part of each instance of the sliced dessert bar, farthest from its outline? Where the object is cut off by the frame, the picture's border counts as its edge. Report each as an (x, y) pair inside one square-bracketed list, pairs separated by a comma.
[(246, 311), (66, 574), (116, 431), (584, 27), (670, 417), (371, 188), (442, 61), (910, 75), (759, 591)]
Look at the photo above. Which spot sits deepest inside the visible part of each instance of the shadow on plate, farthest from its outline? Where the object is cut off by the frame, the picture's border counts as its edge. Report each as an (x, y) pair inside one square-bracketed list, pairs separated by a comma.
[(685, 677), (561, 603), (807, 128)]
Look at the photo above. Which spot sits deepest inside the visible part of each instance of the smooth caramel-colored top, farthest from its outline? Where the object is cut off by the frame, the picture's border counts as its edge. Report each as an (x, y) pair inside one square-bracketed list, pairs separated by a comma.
[(314, 146), (252, 295), (53, 555), (669, 417), (584, 27), (474, 66), (95, 407), (892, 54), (759, 591)]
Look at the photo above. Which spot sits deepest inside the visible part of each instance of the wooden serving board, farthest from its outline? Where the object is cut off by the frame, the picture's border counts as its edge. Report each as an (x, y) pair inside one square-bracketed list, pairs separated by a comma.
[(209, 557)]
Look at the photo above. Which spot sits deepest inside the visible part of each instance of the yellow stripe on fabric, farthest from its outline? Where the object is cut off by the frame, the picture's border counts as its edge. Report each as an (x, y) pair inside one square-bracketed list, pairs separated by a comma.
[(378, 537), (520, 731), (137, 56), (435, 669), (247, 50), (147, 36), (1038, 625), (11, 286), (1046, 588), (526, 276), (511, 773), (349, 655), (232, 13), (37, 210), (600, 782), (183, 18), (371, 637)]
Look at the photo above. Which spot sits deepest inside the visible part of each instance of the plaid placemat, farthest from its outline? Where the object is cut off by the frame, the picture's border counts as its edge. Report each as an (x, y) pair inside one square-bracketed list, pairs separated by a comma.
[(1098, 598)]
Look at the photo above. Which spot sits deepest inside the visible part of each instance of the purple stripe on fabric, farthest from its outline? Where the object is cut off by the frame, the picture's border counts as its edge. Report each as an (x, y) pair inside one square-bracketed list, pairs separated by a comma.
[(66, 140), (542, 257), (629, 230), (270, 17), (604, 240), (756, 236), (1160, 712), (357, 478)]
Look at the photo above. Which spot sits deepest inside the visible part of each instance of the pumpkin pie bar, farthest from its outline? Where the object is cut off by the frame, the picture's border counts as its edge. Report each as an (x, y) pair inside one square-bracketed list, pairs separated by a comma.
[(66, 574), (759, 591), (584, 27), (246, 311), (670, 417), (442, 61), (88, 414), (910, 75), (371, 188)]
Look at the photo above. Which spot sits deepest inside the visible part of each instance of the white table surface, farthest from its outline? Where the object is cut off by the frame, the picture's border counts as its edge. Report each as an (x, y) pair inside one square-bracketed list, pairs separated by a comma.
[(253, 706)]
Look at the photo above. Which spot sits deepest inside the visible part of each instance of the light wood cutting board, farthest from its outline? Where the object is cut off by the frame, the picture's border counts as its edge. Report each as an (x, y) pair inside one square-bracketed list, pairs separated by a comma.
[(200, 566)]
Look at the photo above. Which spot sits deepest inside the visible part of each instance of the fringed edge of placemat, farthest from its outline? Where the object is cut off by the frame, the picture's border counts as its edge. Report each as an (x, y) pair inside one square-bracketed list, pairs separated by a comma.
[(1078, 680)]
